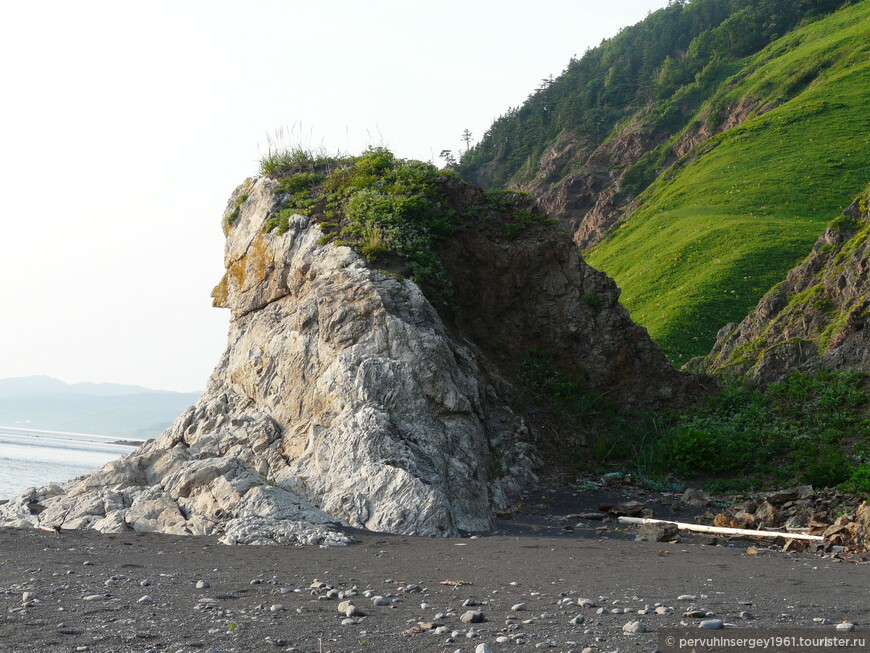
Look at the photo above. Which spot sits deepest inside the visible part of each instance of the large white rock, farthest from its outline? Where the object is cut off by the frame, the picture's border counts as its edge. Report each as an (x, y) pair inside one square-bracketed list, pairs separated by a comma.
[(341, 397)]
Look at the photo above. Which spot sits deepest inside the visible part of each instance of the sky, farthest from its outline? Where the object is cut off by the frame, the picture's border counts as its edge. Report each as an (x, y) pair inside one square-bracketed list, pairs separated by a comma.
[(125, 126)]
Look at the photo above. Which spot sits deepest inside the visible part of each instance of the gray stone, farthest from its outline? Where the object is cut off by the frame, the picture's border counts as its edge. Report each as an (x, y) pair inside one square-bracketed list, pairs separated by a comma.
[(472, 617), (695, 497), (656, 532), (712, 624), (845, 626), (635, 627)]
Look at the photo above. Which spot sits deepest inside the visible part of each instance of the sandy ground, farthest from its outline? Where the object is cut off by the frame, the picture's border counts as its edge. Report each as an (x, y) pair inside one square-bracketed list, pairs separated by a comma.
[(261, 599)]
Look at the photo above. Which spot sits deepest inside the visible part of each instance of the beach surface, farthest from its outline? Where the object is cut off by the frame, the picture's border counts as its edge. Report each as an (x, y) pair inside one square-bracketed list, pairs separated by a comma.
[(146, 592)]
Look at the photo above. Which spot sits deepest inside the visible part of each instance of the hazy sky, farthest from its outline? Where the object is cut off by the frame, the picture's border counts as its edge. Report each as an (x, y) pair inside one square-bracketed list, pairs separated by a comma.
[(126, 125)]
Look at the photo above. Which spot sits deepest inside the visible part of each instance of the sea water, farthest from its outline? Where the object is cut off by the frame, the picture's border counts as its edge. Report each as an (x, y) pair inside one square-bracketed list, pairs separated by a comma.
[(31, 458)]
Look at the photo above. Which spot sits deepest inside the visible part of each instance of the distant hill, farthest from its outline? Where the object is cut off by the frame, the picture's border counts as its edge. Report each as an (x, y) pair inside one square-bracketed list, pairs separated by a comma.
[(697, 155), (41, 402)]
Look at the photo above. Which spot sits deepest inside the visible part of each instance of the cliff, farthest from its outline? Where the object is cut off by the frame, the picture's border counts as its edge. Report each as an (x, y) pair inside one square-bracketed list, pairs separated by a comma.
[(817, 316), (344, 397)]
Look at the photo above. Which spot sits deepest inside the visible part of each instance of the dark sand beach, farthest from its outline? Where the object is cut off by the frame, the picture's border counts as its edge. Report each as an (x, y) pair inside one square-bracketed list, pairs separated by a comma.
[(286, 598)]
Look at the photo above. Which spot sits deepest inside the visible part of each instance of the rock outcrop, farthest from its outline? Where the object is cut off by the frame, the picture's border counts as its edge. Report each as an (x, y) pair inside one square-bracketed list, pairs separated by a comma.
[(585, 187), (344, 398), (818, 316), (580, 185)]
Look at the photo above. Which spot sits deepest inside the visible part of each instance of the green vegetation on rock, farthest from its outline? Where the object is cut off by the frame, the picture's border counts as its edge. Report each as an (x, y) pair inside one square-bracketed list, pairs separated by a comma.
[(394, 212)]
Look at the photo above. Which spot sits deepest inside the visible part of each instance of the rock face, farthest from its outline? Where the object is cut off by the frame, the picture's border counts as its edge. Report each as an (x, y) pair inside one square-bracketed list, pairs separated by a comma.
[(818, 316), (580, 185), (537, 293), (344, 398), (585, 188)]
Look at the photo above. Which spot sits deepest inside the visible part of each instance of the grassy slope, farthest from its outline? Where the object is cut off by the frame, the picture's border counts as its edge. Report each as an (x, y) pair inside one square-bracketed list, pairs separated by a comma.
[(714, 234)]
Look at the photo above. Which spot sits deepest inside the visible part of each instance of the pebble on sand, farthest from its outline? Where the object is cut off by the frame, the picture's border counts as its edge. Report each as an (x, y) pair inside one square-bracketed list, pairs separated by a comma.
[(472, 617), (635, 627)]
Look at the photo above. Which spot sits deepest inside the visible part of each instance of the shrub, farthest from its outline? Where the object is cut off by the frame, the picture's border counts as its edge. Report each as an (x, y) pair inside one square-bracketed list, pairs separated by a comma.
[(806, 428), (858, 482), (389, 210)]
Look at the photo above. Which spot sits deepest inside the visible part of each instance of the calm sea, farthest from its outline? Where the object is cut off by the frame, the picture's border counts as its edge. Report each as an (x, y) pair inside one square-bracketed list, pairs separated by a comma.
[(30, 458)]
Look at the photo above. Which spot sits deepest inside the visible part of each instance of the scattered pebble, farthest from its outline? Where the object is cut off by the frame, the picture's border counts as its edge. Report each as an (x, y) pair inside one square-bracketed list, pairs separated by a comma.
[(712, 624), (635, 627), (472, 617), (845, 626)]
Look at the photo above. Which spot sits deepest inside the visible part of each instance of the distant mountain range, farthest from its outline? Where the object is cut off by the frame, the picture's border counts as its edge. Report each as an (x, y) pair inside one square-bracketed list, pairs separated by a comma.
[(41, 402)]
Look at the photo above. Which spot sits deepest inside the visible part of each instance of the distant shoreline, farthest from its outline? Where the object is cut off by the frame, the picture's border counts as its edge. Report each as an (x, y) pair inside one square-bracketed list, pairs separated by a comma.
[(129, 443), (112, 439)]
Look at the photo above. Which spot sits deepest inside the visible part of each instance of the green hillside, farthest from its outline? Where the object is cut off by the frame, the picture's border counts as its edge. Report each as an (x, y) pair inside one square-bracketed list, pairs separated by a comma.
[(713, 233), (655, 73)]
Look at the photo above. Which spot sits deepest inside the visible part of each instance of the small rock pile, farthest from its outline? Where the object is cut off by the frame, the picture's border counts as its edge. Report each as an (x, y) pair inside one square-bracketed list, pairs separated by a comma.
[(836, 516)]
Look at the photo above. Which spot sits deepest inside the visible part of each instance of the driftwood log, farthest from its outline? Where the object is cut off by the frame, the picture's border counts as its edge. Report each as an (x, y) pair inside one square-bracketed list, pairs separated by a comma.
[(722, 530)]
